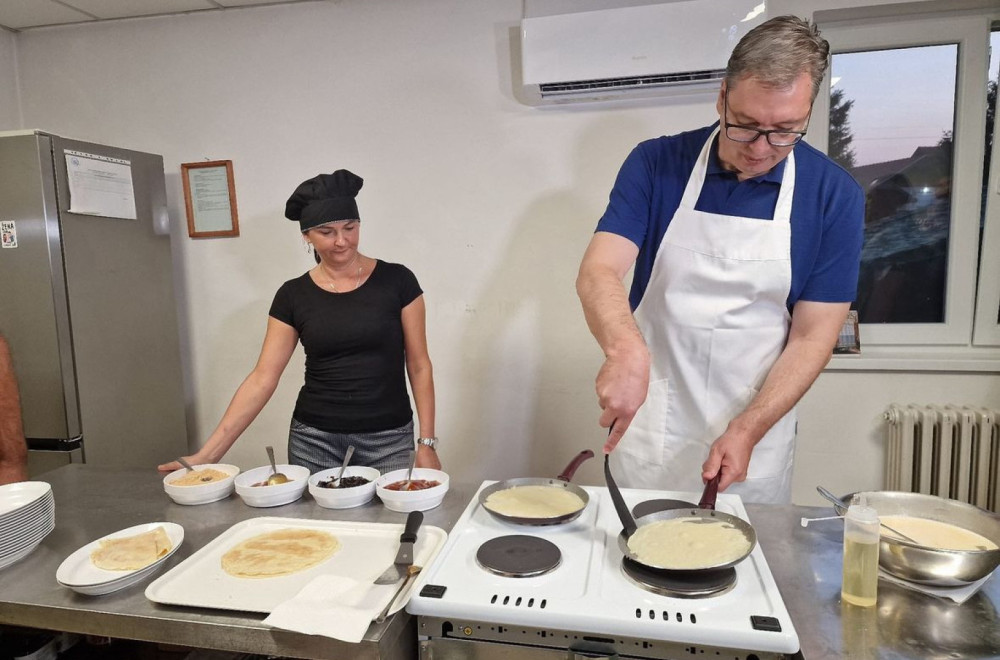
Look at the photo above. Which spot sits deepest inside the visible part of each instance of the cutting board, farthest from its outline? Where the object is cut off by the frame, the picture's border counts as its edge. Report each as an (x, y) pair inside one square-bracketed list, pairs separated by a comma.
[(366, 550)]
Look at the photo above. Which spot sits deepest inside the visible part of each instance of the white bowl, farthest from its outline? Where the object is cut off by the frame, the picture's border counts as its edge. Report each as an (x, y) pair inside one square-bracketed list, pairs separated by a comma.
[(412, 500), (276, 495), (213, 491), (344, 498)]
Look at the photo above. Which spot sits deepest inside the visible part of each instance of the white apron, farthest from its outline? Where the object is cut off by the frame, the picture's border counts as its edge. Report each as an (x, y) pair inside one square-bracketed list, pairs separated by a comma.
[(715, 319)]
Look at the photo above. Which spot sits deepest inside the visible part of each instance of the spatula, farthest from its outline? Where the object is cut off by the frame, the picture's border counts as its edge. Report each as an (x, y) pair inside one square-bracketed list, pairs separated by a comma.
[(404, 558)]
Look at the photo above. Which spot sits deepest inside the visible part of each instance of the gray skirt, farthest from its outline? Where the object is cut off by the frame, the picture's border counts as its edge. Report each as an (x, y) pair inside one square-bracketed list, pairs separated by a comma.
[(318, 450)]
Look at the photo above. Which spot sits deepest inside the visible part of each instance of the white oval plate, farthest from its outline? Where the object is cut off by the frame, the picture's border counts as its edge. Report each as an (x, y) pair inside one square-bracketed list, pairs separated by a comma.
[(78, 573)]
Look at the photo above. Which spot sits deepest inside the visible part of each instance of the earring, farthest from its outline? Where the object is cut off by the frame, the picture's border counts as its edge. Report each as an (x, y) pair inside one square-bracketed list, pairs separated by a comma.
[(308, 247)]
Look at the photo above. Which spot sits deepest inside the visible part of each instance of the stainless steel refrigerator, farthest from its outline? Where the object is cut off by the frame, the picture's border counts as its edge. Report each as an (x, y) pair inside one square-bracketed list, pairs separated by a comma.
[(87, 302)]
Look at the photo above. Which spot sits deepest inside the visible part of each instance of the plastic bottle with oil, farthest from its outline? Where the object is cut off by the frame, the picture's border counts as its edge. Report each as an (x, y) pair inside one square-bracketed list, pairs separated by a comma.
[(861, 536)]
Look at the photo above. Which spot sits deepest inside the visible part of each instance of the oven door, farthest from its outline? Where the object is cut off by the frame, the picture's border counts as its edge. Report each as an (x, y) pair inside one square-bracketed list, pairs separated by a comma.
[(453, 639)]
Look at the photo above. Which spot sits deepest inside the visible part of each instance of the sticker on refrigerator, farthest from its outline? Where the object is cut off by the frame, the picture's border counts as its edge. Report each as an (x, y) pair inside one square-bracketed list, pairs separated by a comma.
[(100, 185), (8, 234)]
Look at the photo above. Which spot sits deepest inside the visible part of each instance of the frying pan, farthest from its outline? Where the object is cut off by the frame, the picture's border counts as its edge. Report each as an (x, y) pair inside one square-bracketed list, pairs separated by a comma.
[(705, 511), (562, 481)]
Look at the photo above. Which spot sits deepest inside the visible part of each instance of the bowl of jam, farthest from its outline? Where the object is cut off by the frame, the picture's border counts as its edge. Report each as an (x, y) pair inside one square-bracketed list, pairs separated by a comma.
[(354, 488), (424, 489)]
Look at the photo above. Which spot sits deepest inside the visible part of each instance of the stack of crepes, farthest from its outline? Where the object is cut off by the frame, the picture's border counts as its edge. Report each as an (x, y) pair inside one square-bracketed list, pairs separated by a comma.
[(131, 553)]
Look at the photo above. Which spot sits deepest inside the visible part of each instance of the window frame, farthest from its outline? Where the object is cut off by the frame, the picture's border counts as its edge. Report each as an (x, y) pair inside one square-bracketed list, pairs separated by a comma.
[(970, 100), (986, 326)]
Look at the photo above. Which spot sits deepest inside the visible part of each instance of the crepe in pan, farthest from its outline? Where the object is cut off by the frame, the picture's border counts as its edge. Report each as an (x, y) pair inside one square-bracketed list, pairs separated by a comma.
[(534, 502), (688, 543)]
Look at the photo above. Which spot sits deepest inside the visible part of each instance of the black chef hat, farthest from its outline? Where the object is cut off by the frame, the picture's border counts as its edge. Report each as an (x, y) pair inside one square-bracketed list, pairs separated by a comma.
[(325, 198)]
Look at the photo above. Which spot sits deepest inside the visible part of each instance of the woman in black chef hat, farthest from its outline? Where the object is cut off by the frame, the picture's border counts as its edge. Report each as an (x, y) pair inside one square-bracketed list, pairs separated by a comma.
[(361, 324)]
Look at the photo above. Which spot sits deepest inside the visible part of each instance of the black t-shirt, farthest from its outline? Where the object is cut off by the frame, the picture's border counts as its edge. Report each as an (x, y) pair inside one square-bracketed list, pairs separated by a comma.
[(355, 377)]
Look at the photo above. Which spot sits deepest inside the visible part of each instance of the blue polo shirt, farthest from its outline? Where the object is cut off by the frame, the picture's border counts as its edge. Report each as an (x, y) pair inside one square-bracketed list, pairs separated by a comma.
[(827, 221)]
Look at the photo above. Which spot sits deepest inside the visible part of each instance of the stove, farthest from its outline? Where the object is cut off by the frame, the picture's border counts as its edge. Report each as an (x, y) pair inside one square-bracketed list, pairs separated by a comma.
[(568, 587)]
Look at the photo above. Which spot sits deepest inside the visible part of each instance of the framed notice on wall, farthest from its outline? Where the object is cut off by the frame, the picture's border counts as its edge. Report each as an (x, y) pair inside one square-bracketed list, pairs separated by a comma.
[(210, 199)]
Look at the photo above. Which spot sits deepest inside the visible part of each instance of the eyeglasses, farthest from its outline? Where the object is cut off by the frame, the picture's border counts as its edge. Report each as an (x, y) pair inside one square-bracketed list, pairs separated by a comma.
[(774, 137)]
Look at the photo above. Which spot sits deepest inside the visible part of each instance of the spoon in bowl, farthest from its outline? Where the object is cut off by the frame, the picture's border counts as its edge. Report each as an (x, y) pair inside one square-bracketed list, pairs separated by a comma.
[(276, 477), (838, 504), (187, 465), (347, 458), (409, 474)]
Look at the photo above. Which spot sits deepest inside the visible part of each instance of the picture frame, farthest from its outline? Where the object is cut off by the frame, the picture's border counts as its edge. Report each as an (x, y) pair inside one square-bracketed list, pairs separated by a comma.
[(849, 339), (210, 199)]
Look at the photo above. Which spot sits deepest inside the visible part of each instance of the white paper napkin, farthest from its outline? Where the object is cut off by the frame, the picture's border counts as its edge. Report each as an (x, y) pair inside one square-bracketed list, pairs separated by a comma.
[(957, 594), (336, 606)]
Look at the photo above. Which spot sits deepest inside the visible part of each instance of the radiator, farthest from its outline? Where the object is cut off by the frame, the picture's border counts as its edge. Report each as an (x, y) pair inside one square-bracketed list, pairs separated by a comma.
[(949, 451)]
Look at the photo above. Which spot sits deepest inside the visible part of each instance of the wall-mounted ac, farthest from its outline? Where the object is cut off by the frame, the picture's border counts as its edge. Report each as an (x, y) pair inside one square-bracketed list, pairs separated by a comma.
[(637, 51)]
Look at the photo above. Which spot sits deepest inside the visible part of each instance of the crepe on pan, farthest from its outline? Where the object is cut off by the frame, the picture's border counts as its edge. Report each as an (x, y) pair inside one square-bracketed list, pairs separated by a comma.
[(131, 552), (281, 552), (534, 502), (688, 543)]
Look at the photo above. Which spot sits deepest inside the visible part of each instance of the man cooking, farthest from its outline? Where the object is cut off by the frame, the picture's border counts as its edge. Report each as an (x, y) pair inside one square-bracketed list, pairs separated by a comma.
[(745, 244)]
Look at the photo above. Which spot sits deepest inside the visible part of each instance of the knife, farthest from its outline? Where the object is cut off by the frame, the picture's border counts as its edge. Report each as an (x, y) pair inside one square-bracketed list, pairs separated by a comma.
[(404, 558)]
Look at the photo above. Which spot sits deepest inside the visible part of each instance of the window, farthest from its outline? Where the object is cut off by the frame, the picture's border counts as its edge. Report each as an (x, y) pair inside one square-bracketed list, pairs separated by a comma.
[(987, 322), (894, 135), (905, 113)]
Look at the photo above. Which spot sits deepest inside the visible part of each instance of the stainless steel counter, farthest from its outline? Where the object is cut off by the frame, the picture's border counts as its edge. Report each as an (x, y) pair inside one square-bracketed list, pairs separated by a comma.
[(806, 563), (93, 501)]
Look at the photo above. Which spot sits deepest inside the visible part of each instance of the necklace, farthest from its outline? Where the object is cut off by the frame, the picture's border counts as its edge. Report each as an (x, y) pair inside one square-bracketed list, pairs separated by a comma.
[(330, 282)]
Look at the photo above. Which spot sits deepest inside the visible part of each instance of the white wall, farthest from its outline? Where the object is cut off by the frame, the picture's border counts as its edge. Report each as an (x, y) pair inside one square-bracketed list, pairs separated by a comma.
[(10, 117), (490, 202)]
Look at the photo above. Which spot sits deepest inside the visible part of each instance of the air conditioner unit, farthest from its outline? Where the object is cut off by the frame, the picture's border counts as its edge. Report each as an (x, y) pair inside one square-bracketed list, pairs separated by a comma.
[(638, 51)]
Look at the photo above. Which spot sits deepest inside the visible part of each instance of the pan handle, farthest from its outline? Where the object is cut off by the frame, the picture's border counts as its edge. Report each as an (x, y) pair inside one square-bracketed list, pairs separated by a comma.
[(628, 522), (711, 492), (570, 470)]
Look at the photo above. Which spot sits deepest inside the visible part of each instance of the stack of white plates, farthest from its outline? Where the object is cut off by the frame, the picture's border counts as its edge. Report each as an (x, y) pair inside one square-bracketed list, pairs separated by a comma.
[(77, 572), (27, 515)]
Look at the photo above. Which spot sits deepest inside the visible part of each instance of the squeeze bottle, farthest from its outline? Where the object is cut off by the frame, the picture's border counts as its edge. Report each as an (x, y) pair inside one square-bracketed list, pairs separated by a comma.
[(861, 535)]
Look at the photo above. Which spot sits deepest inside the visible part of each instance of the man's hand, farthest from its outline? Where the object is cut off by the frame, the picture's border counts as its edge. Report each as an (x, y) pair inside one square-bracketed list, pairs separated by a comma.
[(811, 339), (622, 384), (730, 454), (624, 377)]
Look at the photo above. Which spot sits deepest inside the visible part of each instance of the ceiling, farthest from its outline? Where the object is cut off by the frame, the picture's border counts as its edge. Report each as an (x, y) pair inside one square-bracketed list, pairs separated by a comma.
[(18, 15)]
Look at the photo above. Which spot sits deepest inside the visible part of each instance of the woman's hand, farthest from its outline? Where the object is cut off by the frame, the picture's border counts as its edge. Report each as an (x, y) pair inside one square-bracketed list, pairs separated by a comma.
[(427, 458), (193, 460)]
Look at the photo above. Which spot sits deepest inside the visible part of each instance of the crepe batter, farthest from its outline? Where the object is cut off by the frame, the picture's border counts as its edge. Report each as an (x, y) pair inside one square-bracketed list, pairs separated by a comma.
[(688, 543), (534, 502), (936, 534)]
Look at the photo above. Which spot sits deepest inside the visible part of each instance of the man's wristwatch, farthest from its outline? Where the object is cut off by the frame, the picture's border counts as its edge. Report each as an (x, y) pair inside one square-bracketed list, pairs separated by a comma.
[(430, 442)]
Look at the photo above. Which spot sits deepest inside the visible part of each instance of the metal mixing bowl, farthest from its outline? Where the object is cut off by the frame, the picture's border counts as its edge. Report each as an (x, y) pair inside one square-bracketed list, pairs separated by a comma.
[(932, 566)]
